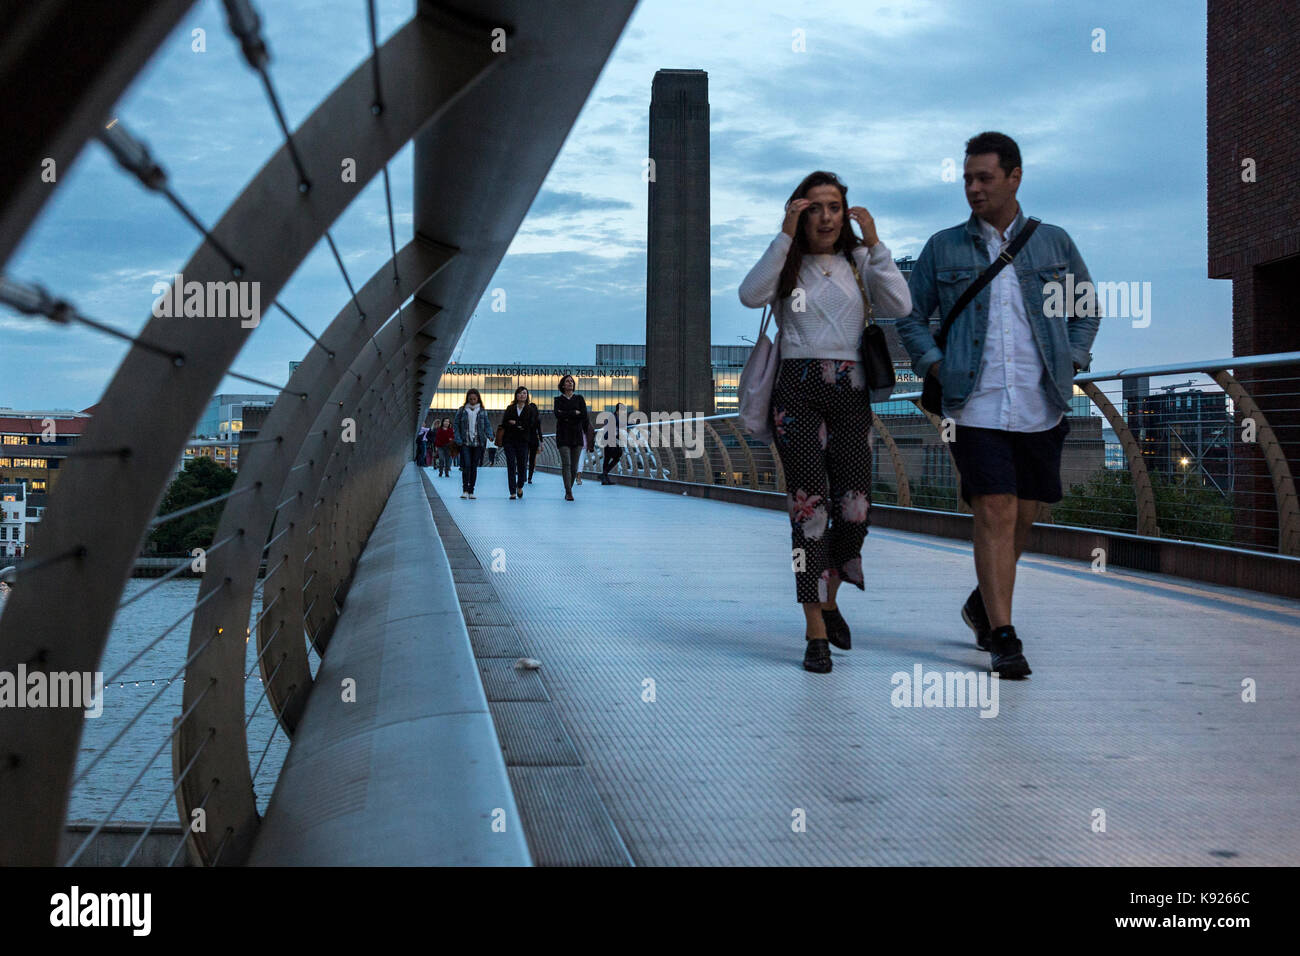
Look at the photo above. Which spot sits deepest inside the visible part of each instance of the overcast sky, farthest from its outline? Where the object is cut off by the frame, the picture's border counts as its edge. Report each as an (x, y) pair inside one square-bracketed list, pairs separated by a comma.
[(1113, 145)]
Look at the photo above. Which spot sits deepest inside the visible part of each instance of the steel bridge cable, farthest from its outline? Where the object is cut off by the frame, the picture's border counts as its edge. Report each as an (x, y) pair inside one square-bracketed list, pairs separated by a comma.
[(262, 653), (171, 794), (266, 686), (376, 108), (178, 569), (269, 740), (116, 677), (185, 834), (112, 743), (140, 776), (33, 299), (133, 156), (163, 519), (246, 26), (306, 331)]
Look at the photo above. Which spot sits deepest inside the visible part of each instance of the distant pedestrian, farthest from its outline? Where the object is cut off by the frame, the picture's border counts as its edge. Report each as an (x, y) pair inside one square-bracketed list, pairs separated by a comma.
[(422, 445), (519, 423), (442, 439), (492, 453), (471, 433), (612, 439), (572, 428)]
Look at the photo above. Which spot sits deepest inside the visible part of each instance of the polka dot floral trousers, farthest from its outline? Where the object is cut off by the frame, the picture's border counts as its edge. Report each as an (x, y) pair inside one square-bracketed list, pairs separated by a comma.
[(822, 425)]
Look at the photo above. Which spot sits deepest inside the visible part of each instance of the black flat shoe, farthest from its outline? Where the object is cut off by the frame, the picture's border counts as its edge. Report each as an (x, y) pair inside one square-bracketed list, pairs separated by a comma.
[(1008, 659), (977, 619), (837, 629), (817, 656)]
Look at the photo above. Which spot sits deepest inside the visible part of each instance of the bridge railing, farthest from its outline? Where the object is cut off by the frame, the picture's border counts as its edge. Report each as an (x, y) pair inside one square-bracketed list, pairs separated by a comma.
[(1197, 451)]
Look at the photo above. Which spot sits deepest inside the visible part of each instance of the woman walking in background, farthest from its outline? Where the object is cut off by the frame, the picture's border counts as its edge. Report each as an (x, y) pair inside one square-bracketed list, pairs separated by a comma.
[(519, 423), (821, 413), (422, 446), (571, 428), (470, 430), (442, 439)]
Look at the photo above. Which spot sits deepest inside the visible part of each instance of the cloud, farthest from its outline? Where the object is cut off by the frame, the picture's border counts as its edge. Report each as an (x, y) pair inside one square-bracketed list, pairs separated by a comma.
[(551, 202), (1113, 144)]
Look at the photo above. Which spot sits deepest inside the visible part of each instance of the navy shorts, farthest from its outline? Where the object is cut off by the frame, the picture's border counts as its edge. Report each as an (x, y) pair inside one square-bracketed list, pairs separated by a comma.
[(996, 462)]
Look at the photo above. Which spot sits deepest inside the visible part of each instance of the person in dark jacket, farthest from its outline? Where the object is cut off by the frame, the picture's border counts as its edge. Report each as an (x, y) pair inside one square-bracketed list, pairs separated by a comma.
[(571, 426), (613, 442), (442, 439), (519, 423)]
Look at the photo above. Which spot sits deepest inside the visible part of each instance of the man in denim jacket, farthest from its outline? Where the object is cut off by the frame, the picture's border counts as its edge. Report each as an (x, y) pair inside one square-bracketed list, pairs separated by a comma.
[(1007, 371)]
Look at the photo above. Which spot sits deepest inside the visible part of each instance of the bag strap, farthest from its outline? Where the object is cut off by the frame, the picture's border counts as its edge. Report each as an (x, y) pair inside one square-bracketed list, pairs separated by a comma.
[(768, 315), (1004, 259), (867, 311)]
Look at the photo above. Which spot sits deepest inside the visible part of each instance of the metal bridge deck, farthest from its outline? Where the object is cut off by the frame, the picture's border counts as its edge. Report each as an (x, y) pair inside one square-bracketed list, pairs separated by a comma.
[(1134, 708)]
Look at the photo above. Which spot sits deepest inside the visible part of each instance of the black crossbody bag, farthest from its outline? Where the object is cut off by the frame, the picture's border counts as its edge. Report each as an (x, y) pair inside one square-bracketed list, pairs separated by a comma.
[(932, 391), (876, 363)]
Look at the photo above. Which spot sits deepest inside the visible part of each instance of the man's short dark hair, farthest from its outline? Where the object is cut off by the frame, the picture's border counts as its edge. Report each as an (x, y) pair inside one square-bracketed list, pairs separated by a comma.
[(1000, 143)]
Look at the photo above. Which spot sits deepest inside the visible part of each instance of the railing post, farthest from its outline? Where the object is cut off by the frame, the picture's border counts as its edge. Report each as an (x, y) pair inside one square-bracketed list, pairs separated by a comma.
[(1146, 500), (937, 422), (749, 454), (1288, 517), (900, 471), (726, 458)]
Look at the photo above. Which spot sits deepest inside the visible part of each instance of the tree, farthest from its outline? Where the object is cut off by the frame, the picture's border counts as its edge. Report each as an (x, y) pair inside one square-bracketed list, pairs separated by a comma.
[(202, 479), (1184, 509)]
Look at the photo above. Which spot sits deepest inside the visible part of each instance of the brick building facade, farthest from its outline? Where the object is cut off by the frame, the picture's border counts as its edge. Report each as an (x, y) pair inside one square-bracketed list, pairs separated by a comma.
[(1253, 186)]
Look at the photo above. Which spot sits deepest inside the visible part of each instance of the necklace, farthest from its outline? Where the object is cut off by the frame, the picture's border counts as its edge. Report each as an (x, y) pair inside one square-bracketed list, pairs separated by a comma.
[(826, 272)]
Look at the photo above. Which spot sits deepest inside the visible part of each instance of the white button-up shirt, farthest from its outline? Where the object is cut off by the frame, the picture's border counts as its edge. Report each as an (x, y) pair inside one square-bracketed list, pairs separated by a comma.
[(1008, 393)]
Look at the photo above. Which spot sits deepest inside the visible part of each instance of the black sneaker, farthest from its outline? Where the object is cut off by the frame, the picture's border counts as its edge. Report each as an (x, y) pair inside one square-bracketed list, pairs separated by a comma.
[(817, 657), (1006, 650), (977, 619), (837, 629)]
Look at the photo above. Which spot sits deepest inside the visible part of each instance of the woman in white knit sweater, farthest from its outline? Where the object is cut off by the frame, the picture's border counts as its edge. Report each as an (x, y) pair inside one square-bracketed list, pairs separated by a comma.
[(820, 408)]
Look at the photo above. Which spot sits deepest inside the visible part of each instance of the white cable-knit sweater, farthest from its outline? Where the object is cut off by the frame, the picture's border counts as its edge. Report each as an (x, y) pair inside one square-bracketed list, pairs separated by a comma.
[(830, 326)]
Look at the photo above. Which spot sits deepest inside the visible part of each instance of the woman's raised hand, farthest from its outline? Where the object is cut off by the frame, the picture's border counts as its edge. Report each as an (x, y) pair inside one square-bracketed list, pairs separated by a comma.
[(792, 213), (863, 218)]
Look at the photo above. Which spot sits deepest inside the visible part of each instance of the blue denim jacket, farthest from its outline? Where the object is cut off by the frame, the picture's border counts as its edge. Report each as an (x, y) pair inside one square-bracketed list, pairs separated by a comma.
[(951, 261), (460, 425)]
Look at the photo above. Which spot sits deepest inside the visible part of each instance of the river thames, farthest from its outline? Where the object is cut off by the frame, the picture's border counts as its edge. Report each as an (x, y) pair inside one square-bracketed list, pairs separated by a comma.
[(135, 627)]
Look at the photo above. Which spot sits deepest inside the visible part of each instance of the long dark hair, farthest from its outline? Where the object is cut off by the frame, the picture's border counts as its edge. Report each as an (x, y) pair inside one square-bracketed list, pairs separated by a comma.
[(474, 392), (799, 247)]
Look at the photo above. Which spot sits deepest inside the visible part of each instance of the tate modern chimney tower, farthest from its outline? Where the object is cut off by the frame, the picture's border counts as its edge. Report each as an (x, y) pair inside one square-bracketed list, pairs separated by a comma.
[(678, 376)]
